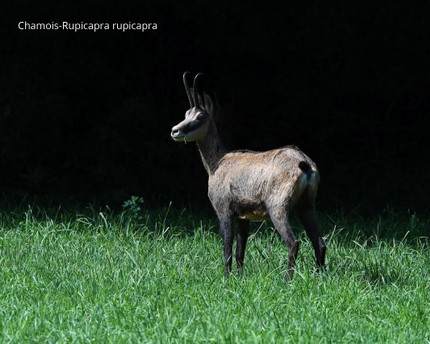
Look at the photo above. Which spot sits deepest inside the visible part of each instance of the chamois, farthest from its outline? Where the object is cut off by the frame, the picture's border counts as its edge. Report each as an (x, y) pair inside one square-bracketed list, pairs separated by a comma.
[(247, 185)]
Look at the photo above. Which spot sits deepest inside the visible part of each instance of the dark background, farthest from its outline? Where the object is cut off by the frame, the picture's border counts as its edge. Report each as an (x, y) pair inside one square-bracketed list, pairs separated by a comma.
[(86, 117)]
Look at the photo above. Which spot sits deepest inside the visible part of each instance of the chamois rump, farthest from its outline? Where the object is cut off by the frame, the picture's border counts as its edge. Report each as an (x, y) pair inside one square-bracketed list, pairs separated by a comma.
[(247, 186)]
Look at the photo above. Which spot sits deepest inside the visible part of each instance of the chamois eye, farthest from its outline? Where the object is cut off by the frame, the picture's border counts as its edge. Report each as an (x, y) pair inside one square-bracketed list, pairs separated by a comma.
[(201, 117)]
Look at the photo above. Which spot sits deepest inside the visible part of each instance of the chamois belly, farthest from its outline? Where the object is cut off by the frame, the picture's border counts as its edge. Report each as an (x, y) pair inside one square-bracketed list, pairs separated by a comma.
[(247, 198), (254, 216), (252, 212)]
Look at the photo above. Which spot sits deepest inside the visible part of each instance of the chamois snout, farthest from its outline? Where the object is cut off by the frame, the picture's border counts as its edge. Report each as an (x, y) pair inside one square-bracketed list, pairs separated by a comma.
[(176, 133)]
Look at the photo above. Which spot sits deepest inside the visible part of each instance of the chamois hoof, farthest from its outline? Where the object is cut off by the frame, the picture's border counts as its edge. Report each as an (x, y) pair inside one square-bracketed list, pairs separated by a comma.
[(289, 275)]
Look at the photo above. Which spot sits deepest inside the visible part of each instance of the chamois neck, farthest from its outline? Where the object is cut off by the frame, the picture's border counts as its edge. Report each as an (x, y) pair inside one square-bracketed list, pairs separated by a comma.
[(211, 149)]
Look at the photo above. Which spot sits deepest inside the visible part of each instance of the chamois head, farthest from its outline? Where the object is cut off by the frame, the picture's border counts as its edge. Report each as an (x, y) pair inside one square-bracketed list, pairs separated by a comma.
[(198, 118)]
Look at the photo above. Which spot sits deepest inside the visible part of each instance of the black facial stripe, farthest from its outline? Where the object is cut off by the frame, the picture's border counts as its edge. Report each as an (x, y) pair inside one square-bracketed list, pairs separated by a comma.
[(191, 126)]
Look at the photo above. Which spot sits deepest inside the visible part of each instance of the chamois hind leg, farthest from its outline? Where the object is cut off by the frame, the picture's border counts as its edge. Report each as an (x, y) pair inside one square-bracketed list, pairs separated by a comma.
[(242, 237), (227, 237), (307, 215), (281, 222)]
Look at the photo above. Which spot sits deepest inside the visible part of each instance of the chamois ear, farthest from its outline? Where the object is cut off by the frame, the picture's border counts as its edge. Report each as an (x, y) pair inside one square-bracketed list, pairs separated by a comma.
[(208, 104)]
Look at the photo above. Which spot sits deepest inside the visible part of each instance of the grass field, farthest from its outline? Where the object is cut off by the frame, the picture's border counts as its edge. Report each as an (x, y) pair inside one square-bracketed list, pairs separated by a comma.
[(157, 277)]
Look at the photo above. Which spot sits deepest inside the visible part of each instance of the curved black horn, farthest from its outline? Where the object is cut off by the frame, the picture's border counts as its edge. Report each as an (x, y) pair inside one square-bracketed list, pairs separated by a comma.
[(195, 86), (187, 88)]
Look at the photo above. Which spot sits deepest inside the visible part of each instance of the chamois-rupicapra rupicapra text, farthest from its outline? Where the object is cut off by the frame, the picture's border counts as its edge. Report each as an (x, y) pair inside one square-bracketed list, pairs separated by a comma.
[(247, 185)]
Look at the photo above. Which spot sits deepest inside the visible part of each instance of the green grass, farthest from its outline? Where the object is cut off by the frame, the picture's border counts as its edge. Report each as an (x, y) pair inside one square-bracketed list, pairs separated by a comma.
[(157, 277)]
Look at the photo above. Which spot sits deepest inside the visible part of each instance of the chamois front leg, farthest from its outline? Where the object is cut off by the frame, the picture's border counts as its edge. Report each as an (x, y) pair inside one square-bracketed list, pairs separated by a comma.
[(280, 220), (242, 237), (227, 237)]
